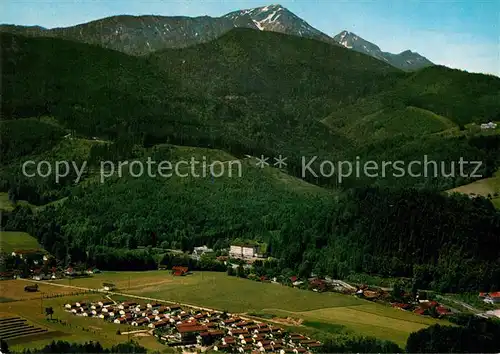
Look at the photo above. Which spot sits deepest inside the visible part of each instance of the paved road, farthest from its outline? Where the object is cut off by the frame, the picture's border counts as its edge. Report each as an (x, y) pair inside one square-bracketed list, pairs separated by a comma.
[(461, 303)]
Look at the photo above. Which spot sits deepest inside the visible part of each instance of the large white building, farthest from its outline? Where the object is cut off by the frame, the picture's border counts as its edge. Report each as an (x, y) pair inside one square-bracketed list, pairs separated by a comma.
[(489, 125), (243, 251)]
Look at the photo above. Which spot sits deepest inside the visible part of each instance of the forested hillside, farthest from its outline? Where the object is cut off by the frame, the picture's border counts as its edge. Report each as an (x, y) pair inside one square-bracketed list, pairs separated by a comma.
[(445, 243), (252, 93), (23, 137), (243, 62), (456, 94), (87, 88)]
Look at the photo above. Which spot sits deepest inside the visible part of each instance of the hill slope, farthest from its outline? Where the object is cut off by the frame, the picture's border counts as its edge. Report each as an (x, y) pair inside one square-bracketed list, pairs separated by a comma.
[(13, 241), (248, 92), (87, 87), (456, 94), (244, 62)]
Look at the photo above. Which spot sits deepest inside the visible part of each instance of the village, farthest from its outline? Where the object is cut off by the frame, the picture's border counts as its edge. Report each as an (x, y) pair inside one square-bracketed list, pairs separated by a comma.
[(185, 327), (246, 256), (191, 329)]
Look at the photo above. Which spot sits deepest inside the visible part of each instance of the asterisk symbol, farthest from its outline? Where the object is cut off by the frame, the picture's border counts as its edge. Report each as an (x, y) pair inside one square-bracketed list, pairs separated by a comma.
[(262, 161), (280, 161)]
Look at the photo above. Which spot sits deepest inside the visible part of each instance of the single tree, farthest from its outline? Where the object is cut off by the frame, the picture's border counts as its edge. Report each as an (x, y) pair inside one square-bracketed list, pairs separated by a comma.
[(49, 311)]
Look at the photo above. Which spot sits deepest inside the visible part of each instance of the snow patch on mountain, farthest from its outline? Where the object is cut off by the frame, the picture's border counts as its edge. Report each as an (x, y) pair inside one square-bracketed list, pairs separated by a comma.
[(406, 60)]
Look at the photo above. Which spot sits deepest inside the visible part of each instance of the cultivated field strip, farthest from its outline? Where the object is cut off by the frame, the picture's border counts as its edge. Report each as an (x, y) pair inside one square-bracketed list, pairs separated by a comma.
[(14, 327)]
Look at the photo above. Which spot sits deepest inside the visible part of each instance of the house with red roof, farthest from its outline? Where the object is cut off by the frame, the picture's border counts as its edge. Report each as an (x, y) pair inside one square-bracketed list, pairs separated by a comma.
[(401, 306), (317, 284), (442, 311), (179, 271), (492, 298)]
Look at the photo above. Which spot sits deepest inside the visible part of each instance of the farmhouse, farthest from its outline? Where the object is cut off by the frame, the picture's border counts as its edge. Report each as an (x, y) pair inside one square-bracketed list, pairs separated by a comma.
[(127, 305), (317, 284), (104, 303), (493, 313), (401, 306), (200, 251), (179, 271), (30, 252), (93, 271), (186, 330), (37, 256), (243, 251), (140, 322), (159, 324), (491, 298), (41, 277), (489, 125), (108, 286)]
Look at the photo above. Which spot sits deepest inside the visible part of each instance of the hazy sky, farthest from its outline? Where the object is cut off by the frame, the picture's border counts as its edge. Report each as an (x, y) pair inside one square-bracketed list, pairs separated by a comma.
[(460, 34)]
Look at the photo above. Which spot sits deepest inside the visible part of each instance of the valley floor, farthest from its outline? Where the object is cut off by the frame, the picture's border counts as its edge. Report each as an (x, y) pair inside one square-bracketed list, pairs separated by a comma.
[(306, 311)]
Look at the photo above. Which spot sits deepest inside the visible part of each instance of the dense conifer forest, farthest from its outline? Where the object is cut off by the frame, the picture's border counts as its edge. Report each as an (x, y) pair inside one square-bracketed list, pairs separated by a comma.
[(302, 98)]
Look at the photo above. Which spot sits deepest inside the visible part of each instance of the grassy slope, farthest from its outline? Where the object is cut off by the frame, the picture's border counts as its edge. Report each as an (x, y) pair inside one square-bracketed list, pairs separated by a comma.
[(5, 203), (379, 122), (7, 206), (13, 240), (484, 187)]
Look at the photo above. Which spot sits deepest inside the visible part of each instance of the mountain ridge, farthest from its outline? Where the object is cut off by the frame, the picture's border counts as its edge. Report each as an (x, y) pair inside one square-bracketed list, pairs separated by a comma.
[(406, 60), (276, 18), (144, 34)]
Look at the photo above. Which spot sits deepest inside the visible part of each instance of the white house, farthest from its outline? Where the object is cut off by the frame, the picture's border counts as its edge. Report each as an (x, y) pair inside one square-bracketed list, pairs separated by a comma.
[(200, 251), (243, 251), (105, 303), (108, 286), (493, 313), (492, 298), (23, 253), (489, 125)]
